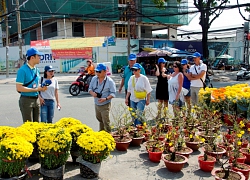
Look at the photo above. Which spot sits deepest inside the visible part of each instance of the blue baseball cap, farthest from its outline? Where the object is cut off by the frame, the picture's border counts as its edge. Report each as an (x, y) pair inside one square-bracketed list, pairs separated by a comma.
[(132, 57), (196, 54), (161, 60), (136, 66), (32, 52), (184, 61), (100, 67), (48, 68)]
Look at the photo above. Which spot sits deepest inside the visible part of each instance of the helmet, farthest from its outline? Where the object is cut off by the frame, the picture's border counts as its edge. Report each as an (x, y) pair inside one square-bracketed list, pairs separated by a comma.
[(89, 60)]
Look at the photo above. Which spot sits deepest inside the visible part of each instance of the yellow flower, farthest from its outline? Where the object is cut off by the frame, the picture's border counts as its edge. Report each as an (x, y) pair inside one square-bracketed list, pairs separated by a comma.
[(248, 129), (190, 136), (144, 124), (242, 125), (160, 125), (202, 140), (130, 109), (239, 135), (239, 143), (133, 114), (242, 132), (170, 144)]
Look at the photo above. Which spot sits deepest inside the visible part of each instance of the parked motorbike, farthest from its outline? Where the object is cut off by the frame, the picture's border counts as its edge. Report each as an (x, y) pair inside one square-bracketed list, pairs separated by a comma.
[(79, 85), (243, 74)]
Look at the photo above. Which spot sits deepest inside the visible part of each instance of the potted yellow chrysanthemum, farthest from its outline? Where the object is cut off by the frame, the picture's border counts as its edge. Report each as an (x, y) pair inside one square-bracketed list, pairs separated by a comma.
[(13, 154), (53, 146), (94, 147), (75, 128)]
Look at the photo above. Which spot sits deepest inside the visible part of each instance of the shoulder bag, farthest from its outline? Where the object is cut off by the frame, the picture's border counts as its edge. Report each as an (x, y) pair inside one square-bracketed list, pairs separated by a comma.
[(138, 95)]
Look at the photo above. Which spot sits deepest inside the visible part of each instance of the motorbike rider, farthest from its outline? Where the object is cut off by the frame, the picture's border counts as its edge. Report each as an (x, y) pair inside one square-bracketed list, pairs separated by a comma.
[(90, 70)]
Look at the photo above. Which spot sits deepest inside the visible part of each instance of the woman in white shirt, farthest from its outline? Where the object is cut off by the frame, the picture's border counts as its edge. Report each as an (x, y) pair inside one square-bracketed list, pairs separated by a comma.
[(48, 98), (176, 96), (138, 84)]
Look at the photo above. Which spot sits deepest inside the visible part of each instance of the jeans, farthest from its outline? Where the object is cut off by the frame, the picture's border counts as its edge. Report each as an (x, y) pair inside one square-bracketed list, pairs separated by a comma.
[(47, 110), (139, 106)]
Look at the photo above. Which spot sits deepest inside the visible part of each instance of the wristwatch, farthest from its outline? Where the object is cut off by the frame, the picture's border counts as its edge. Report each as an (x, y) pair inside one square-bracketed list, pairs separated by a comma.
[(106, 98)]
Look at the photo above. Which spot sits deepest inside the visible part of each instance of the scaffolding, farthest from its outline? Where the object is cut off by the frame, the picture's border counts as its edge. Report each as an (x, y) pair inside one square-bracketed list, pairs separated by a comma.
[(103, 10)]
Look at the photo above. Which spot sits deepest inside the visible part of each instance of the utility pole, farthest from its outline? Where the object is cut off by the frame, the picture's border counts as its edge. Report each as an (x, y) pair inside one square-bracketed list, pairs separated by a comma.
[(128, 29), (41, 27), (7, 44), (19, 31)]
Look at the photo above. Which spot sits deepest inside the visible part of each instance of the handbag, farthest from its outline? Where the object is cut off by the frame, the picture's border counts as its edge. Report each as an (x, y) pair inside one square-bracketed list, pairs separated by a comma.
[(185, 91), (138, 94), (204, 84)]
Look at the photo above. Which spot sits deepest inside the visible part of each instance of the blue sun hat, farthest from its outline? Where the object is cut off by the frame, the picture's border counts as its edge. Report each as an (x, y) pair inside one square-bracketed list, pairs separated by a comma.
[(161, 60)]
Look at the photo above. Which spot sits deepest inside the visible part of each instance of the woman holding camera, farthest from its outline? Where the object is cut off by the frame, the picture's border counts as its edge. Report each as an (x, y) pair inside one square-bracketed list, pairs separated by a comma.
[(48, 98), (139, 88)]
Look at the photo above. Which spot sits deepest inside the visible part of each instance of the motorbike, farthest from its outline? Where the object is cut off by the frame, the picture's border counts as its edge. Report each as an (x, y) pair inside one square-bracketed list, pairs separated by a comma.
[(79, 85), (243, 74)]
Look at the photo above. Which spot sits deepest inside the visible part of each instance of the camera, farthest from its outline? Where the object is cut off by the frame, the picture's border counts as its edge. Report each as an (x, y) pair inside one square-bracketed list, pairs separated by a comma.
[(99, 95)]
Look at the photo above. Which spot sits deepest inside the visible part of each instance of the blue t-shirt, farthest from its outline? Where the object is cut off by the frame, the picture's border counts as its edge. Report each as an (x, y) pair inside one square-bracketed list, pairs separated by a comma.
[(128, 73), (186, 81), (24, 75)]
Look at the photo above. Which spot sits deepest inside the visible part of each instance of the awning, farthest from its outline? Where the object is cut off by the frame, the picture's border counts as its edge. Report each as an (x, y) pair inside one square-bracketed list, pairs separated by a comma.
[(143, 54)]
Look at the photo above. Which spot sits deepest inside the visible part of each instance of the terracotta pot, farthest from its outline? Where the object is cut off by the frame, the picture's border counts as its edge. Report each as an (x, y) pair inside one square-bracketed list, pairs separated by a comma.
[(187, 151), (115, 135), (193, 145), (161, 138), (137, 141), (227, 148), (233, 174), (217, 154), (174, 166), (122, 146), (240, 159), (228, 120), (207, 165), (153, 143), (245, 152), (244, 144), (154, 156), (244, 171)]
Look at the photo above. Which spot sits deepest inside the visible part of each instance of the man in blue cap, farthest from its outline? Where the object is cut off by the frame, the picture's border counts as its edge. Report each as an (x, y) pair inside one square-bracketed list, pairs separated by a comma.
[(27, 83), (197, 76), (128, 73), (103, 89)]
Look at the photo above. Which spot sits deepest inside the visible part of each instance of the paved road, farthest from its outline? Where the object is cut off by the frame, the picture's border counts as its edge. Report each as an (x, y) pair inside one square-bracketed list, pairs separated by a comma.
[(133, 164)]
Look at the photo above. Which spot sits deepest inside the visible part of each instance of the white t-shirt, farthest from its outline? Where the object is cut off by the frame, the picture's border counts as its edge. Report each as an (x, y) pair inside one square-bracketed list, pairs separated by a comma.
[(50, 92), (199, 68), (141, 84)]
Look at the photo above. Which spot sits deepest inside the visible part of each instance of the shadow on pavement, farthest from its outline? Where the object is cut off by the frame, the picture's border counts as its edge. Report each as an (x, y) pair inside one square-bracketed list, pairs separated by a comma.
[(166, 174)]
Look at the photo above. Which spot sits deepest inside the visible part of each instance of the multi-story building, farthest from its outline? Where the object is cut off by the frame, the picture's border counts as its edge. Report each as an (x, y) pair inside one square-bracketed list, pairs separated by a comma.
[(56, 19)]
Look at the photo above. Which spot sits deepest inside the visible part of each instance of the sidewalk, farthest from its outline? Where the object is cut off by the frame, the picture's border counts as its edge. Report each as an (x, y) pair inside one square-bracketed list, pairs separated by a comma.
[(68, 78)]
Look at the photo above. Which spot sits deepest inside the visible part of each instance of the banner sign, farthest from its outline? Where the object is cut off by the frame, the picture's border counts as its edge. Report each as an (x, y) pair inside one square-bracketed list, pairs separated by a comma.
[(71, 53), (76, 43), (39, 43)]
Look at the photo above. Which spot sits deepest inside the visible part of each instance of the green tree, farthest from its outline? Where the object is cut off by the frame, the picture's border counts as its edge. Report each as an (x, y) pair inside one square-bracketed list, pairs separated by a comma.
[(209, 11)]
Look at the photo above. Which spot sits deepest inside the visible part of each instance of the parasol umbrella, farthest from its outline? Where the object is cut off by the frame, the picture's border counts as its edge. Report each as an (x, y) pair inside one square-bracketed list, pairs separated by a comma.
[(160, 52)]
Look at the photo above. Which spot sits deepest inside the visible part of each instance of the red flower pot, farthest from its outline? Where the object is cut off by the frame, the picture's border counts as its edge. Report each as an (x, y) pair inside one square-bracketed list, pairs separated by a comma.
[(136, 141), (174, 166), (240, 159), (244, 144), (235, 175), (207, 165), (154, 156), (245, 169), (228, 120), (193, 145), (217, 154), (245, 152), (122, 146), (187, 151), (161, 138)]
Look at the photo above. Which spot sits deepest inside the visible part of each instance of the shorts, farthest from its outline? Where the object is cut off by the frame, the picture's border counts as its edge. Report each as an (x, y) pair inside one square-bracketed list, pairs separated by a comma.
[(189, 93)]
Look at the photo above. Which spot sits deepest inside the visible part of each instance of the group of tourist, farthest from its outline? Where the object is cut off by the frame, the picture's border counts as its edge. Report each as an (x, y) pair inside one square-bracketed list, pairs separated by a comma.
[(38, 99)]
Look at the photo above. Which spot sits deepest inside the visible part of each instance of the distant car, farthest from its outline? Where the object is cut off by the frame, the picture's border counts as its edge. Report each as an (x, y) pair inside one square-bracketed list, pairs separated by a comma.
[(224, 62)]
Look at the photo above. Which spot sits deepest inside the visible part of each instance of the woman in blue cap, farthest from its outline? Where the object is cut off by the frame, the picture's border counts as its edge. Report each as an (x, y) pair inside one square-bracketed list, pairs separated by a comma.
[(186, 82), (162, 86), (49, 97)]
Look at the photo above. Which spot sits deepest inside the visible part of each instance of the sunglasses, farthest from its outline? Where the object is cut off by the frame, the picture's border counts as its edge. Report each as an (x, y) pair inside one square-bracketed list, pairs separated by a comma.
[(134, 69), (98, 71), (175, 66)]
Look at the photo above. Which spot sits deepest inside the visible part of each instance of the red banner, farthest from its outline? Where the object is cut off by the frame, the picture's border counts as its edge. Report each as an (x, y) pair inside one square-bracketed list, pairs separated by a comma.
[(72, 53), (39, 43)]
